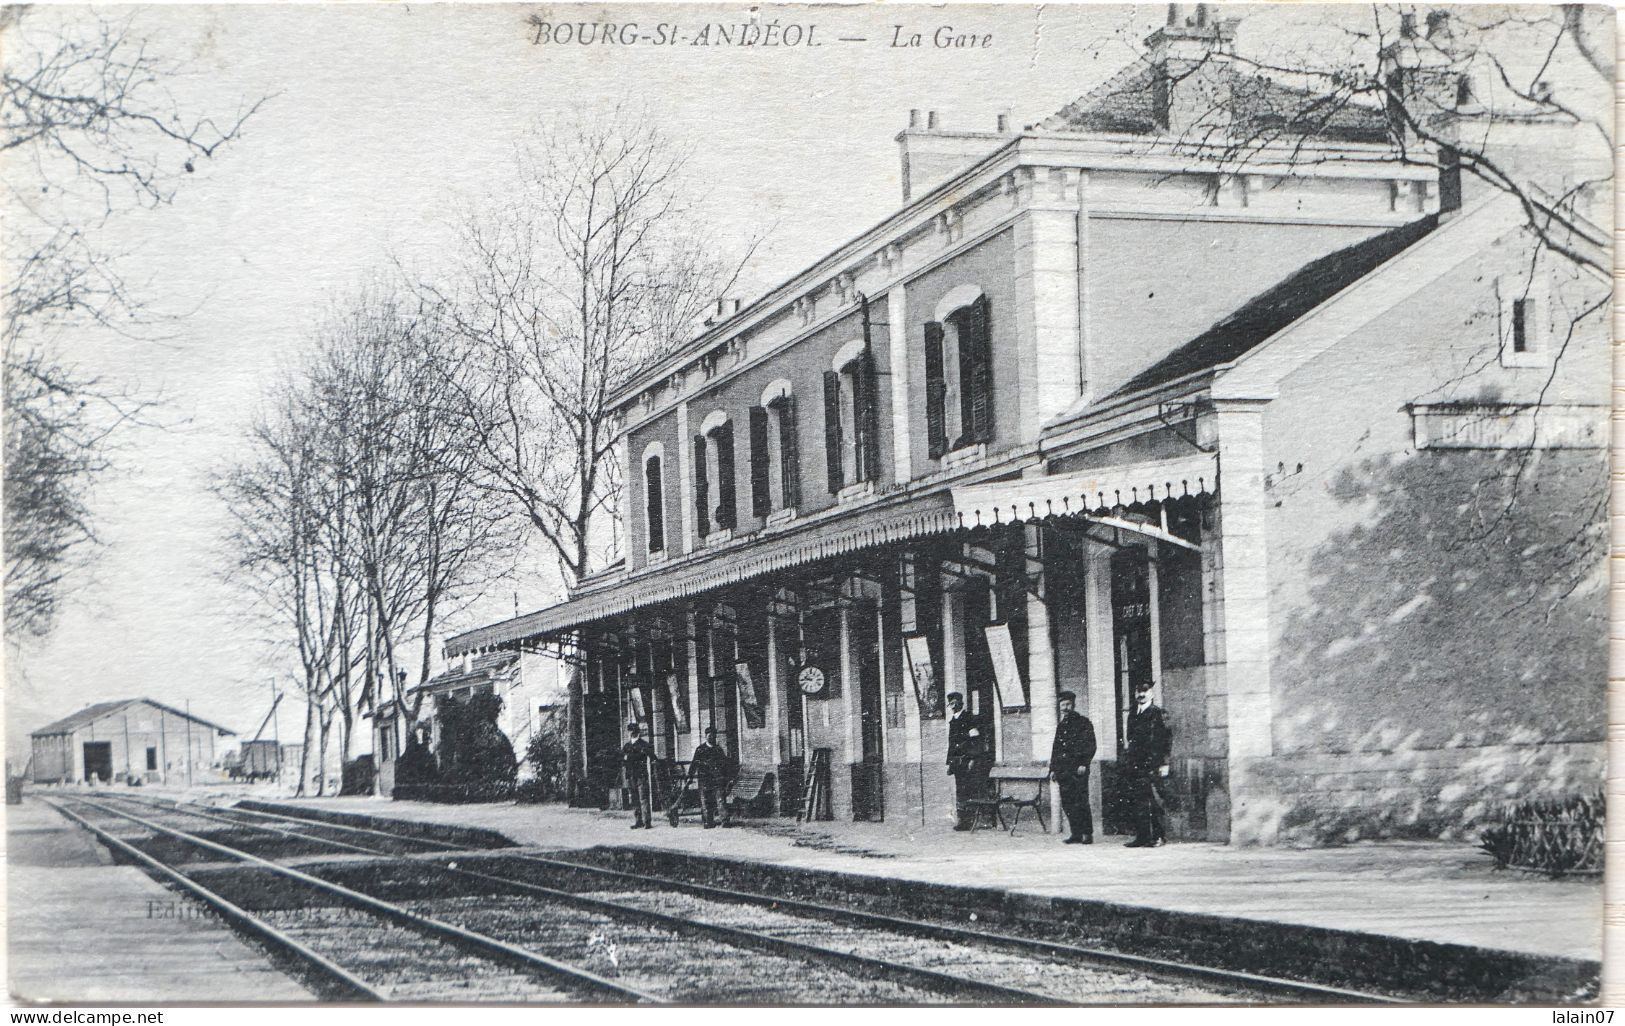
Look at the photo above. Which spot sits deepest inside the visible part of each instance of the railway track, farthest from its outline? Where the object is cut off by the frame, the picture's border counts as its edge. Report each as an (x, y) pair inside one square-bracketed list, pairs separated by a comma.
[(404, 944), (934, 957), (1256, 986), (665, 957)]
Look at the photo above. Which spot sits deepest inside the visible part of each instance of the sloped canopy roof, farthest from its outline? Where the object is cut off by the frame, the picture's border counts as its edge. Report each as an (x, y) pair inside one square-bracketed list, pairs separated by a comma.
[(91, 713), (1278, 306)]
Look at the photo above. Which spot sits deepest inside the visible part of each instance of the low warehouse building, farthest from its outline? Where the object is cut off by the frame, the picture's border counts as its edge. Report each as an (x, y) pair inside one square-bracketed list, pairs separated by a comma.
[(133, 738)]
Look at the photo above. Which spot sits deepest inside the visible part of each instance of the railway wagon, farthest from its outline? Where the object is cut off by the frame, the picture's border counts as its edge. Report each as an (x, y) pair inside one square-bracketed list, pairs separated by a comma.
[(261, 760)]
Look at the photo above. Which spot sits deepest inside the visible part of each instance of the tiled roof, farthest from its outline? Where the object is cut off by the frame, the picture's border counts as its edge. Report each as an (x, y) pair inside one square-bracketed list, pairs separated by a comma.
[(92, 713), (1260, 108), (1278, 306), (481, 668)]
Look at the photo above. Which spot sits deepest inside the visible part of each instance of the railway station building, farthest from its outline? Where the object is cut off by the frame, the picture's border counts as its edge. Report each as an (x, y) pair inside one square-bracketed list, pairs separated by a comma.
[(134, 739), (1316, 446)]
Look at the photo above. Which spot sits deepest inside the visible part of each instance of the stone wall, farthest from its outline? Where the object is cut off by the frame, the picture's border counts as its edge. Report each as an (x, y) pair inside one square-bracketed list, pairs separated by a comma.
[(1446, 793)]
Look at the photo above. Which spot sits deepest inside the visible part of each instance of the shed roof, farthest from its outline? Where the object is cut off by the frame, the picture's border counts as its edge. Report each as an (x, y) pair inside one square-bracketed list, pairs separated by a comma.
[(1281, 304), (101, 710)]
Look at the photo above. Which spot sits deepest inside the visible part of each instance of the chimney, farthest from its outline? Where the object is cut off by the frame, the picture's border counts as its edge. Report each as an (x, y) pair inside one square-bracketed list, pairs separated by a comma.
[(1190, 57), (933, 154), (727, 306)]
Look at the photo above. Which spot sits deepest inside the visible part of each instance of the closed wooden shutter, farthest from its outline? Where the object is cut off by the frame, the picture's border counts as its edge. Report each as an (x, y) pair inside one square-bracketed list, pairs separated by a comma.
[(936, 393), (832, 430), (761, 488), (727, 513), (702, 489), (868, 415), (789, 452), (963, 321), (654, 504), (980, 424)]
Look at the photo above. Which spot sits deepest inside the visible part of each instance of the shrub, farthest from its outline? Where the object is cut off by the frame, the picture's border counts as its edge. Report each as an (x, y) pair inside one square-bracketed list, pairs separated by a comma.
[(359, 774), (416, 764), (1554, 837), (547, 753), (473, 750)]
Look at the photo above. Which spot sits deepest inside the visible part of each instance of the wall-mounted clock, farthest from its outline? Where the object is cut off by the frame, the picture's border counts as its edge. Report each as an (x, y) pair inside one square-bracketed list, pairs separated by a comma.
[(811, 680)]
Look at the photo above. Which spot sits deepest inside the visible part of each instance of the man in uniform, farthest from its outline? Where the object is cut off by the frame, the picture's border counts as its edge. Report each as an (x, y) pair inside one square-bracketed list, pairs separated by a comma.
[(637, 760), (967, 762), (1145, 766), (713, 770), (1069, 760)]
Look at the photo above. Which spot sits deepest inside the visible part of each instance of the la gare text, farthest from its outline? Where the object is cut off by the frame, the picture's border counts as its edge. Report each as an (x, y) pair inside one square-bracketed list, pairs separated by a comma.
[(770, 34)]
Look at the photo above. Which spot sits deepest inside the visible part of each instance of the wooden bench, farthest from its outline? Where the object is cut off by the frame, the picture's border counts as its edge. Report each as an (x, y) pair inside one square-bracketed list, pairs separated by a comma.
[(998, 802)]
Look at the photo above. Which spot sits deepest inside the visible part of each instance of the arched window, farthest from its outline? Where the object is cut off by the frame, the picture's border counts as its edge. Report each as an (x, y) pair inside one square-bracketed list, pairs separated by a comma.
[(775, 452), (654, 502), (851, 417), (959, 372), (714, 462)]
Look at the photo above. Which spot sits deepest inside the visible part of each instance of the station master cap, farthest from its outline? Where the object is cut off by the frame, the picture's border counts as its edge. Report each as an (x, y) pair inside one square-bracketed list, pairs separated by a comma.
[(1066, 696)]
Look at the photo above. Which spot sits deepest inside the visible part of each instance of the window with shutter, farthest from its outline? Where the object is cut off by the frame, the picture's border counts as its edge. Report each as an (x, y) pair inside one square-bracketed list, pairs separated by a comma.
[(981, 379), (727, 513), (936, 393), (761, 484), (702, 489), (654, 504), (832, 430), (963, 321), (868, 417), (789, 452)]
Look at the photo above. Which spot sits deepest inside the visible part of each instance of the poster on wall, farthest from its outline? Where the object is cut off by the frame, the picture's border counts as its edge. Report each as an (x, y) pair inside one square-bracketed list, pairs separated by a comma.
[(927, 689), (679, 700), (1006, 671), (634, 701), (749, 700)]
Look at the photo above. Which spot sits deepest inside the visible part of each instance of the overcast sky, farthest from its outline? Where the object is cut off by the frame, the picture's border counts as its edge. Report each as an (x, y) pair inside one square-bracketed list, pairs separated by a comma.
[(378, 120)]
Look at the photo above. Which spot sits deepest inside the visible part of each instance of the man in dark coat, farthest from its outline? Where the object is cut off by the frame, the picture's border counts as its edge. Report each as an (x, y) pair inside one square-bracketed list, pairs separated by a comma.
[(713, 769), (1069, 760), (1145, 766), (637, 760), (967, 760)]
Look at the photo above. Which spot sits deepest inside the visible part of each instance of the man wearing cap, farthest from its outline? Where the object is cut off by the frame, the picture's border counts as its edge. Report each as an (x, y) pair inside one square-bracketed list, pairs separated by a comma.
[(1069, 760), (637, 760), (713, 769), (966, 761), (1145, 765)]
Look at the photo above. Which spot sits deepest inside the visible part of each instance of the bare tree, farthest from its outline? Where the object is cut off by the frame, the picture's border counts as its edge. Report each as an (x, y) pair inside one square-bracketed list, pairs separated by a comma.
[(591, 266), (281, 554), (362, 518), (88, 129)]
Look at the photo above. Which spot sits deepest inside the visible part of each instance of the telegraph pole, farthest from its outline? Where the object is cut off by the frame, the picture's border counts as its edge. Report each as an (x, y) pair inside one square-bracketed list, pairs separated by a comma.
[(188, 742)]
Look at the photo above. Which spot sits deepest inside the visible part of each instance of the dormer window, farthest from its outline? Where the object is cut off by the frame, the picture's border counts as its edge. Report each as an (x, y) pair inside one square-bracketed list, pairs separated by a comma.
[(851, 418), (959, 373)]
